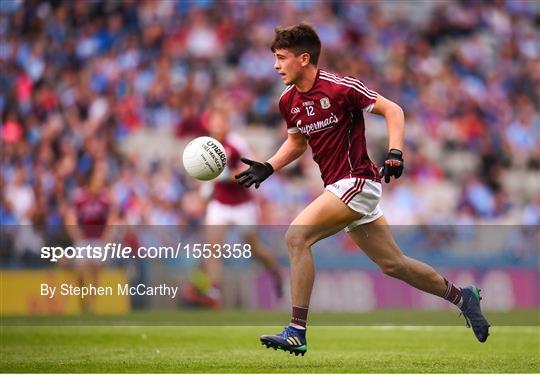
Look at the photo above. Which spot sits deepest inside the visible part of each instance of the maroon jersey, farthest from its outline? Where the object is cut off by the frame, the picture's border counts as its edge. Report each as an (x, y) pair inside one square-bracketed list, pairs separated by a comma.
[(92, 213), (330, 116), (230, 192)]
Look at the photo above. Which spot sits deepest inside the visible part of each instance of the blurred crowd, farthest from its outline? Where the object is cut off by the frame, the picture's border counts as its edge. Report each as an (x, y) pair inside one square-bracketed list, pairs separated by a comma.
[(79, 79)]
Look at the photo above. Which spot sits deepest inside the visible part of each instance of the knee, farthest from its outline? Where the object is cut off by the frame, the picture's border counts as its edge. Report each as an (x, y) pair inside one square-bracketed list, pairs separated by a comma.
[(395, 267), (296, 240)]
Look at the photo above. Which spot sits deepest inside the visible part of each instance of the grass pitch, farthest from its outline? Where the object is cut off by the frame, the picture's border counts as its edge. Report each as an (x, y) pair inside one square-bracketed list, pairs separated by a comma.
[(226, 349)]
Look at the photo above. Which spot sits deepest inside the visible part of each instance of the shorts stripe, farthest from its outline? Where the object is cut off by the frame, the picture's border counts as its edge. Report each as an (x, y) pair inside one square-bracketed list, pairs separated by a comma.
[(363, 198), (356, 192), (352, 190), (348, 191)]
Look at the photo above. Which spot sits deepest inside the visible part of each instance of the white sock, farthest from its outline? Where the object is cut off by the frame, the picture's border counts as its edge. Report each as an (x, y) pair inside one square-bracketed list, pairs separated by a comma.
[(297, 326)]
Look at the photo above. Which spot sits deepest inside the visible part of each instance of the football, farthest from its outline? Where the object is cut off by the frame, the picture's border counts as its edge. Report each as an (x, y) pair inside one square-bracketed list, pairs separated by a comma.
[(204, 158)]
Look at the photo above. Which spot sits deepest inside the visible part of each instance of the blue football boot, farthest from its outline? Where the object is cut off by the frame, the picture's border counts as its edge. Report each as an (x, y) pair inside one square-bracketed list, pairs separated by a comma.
[(291, 340), (472, 313)]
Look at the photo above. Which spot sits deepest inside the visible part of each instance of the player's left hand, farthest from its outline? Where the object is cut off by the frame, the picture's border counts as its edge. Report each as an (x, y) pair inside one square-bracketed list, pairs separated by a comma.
[(255, 174), (393, 165)]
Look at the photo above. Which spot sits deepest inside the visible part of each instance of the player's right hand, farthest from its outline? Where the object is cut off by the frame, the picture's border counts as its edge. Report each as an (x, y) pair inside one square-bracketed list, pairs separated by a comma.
[(393, 165), (255, 174)]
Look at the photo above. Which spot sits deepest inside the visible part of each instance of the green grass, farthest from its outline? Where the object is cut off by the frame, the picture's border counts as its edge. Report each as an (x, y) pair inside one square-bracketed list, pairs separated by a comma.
[(257, 317), (373, 349)]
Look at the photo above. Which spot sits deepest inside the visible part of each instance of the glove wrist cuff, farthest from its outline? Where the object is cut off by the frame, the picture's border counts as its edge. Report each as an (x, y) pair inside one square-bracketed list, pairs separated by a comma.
[(395, 152), (269, 167)]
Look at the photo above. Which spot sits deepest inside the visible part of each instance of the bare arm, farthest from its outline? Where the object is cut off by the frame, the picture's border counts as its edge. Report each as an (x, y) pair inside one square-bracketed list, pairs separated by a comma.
[(293, 147), (395, 121), (290, 150)]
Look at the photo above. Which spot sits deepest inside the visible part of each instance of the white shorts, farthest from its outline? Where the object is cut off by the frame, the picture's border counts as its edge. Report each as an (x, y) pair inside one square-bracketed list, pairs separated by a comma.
[(362, 195), (218, 213)]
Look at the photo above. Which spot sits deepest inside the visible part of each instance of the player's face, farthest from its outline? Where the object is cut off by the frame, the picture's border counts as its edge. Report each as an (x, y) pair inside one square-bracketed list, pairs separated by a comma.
[(288, 65)]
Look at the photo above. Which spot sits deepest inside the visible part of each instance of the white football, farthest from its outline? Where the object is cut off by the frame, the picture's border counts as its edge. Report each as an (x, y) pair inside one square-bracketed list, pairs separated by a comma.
[(204, 158)]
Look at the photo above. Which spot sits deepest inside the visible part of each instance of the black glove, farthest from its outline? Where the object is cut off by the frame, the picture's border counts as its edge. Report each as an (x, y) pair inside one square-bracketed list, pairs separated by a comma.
[(393, 165), (255, 174)]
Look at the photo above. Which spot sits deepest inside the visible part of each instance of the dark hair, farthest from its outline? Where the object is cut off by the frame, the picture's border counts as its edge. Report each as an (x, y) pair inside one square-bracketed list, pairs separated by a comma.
[(298, 39)]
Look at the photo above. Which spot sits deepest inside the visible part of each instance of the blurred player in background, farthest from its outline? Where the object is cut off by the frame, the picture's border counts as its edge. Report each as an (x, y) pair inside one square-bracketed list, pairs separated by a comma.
[(87, 222), (325, 111), (230, 204)]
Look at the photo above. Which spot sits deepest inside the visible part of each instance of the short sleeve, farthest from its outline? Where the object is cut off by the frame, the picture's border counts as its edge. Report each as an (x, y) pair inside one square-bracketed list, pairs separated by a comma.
[(359, 96), (286, 114)]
